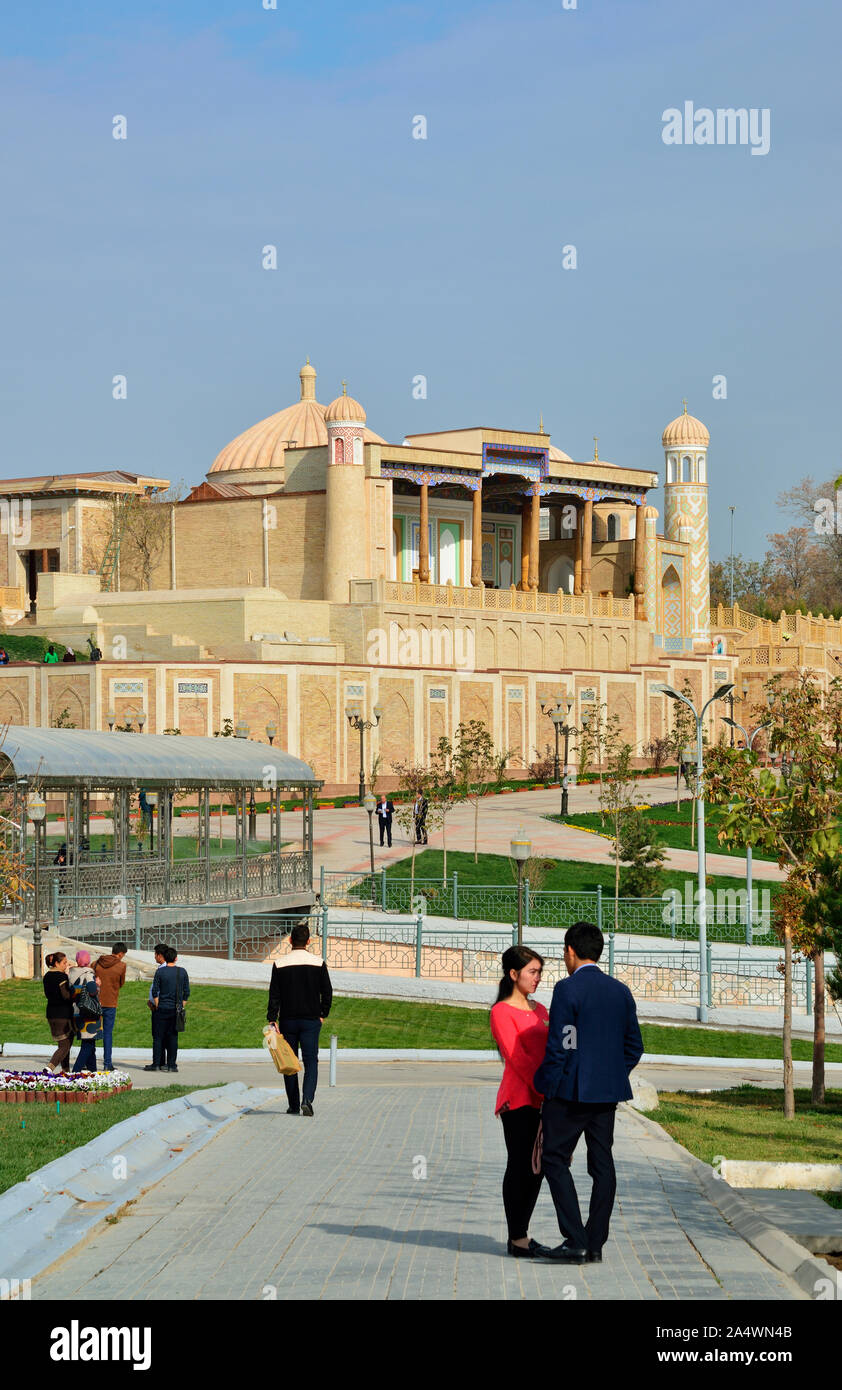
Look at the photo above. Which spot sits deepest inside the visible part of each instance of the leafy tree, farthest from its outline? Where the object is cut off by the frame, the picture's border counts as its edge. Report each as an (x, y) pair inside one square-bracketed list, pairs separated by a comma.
[(793, 815), (445, 793), (644, 855), (478, 767)]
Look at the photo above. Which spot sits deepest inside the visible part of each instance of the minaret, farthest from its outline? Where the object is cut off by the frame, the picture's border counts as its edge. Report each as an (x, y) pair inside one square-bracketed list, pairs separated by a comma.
[(685, 441), (346, 555)]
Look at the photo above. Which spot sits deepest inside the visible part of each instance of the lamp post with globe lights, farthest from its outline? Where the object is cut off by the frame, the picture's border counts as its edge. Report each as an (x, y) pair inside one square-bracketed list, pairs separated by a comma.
[(36, 808), (521, 850), (355, 719), (369, 802), (721, 693)]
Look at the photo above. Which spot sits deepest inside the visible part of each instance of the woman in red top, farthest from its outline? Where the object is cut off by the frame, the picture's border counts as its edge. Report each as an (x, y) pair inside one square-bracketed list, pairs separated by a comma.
[(520, 1032)]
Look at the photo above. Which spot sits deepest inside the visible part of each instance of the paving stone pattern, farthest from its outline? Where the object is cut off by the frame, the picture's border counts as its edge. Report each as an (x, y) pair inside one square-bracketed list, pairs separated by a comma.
[(329, 1208)]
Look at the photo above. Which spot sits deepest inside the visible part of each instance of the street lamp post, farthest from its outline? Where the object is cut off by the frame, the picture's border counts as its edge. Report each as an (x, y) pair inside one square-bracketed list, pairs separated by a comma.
[(521, 850), (369, 803), (559, 713), (356, 721), (242, 731), (37, 810), (719, 694), (152, 802), (749, 741)]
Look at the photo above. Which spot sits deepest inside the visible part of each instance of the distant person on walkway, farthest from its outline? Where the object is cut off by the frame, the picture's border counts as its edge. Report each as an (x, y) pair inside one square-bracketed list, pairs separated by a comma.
[(51, 656), (110, 972), (69, 655), (385, 811), (170, 989), (519, 1028), (86, 1013), (4, 657), (419, 812), (300, 996), (59, 1009), (594, 1043)]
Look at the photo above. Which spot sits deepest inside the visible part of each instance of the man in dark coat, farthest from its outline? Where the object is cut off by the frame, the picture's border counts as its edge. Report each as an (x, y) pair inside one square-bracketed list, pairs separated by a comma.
[(385, 811), (593, 1044)]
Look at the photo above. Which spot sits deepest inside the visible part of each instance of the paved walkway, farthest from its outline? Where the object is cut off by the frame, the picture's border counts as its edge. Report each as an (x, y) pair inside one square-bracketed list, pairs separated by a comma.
[(336, 1208)]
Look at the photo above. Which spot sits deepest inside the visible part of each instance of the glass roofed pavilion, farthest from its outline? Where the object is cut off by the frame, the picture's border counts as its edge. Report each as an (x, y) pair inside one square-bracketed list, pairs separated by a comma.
[(115, 794)]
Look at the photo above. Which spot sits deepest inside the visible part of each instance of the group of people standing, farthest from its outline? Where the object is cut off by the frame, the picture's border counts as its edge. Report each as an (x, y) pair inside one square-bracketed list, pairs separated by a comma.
[(82, 1003), (565, 1073)]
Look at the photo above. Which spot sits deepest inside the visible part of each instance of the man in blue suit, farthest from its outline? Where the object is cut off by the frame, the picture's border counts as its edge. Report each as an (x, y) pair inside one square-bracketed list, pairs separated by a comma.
[(593, 1044)]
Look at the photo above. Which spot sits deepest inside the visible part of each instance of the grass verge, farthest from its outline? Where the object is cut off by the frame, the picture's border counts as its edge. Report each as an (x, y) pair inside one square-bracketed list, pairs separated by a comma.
[(223, 1016), (747, 1122), (32, 1135)]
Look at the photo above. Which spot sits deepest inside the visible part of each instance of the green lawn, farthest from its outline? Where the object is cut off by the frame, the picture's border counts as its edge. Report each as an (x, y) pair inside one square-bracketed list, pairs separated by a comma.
[(224, 1016), (676, 833), (32, 1135), (565, 875), (747, 1122), (22, 647)]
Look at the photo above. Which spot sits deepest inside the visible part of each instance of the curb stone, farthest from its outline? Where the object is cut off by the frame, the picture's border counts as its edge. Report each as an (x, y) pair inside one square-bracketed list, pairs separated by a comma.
[(776, 1247), (47, 1214)]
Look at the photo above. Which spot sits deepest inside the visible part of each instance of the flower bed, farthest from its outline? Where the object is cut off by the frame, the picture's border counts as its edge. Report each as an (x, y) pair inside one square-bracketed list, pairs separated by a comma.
[(85, 1087)]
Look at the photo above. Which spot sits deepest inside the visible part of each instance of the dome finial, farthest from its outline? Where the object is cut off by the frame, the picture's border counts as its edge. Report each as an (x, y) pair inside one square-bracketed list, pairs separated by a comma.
[(541, 423), (684, 403), (344, 388), (307, 377), (595, 448)]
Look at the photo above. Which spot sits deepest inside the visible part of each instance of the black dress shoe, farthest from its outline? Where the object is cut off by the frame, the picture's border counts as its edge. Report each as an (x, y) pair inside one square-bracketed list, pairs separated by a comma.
[(567, 1254), (170, 1068), (153, 1068), (594, 1257), (290, 1111), (531, 1251)]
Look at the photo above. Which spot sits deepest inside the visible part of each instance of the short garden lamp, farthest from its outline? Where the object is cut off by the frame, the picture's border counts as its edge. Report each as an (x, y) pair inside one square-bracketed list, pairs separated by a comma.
[(271, 732), (141, 719), (242, 729), (111, 720), (369, 802), (521, 851), (36, 808)]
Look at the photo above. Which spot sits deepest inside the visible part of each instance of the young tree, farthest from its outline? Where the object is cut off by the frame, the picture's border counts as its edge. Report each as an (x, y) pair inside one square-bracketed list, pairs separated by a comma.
[(445, 794), (644, 855), (615, 799), (478, 767), (413, 780)]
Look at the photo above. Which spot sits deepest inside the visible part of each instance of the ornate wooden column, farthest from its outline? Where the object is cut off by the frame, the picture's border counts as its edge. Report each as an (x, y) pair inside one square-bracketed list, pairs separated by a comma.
[(587, 537), (534, 537), (476, 539), (577, 552), (639, 564), (525, 516), (424, 536)]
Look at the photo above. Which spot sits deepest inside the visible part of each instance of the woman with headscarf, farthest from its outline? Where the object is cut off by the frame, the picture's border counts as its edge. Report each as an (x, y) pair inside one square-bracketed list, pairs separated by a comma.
[(87, 1010)]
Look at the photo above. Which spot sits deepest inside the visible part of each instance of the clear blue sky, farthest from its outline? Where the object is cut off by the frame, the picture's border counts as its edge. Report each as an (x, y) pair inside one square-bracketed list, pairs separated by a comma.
[(292, 127)]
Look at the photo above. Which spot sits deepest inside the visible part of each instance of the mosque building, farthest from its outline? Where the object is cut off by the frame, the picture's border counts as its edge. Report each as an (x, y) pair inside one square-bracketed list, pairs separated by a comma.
[(469, 573)]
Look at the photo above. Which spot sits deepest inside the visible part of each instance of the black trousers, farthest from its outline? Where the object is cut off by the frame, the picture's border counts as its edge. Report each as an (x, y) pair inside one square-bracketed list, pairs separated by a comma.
[(385, 828), (565, 1121), (303, 1031), (520, 1185), (164, 1039)]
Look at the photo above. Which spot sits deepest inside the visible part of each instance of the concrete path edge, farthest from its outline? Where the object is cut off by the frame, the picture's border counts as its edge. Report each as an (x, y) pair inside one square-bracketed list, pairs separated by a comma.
[(58, 1206), (776, 1247)]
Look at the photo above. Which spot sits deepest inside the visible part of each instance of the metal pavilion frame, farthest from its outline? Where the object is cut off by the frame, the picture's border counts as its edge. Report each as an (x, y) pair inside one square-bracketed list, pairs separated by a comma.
[(156, 876)]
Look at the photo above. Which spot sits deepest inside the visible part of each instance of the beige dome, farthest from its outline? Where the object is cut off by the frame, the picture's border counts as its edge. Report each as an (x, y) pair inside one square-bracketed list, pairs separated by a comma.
[(685, 431), (299, 426), (650, 512), (558, 455), (683, 522), (344, 408)]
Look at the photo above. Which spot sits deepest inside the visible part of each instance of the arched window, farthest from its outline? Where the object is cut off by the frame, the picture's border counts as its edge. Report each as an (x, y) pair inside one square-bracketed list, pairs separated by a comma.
[(671, 468), (613, 527), (339, 451), (358, 450), (685, 470), (700, 469)]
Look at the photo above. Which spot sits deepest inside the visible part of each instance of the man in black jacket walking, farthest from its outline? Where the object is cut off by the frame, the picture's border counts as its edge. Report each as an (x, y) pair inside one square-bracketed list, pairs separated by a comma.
[(300, 996)]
